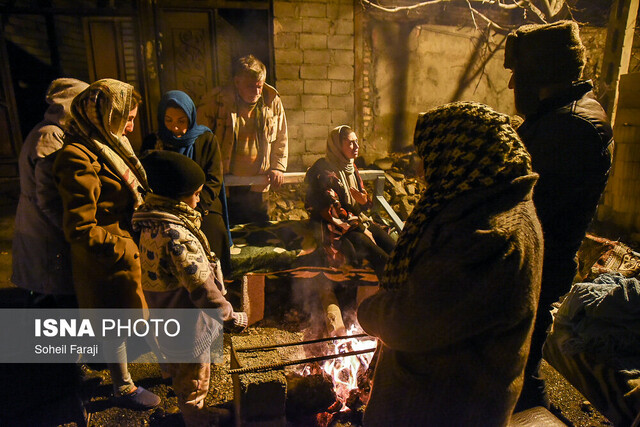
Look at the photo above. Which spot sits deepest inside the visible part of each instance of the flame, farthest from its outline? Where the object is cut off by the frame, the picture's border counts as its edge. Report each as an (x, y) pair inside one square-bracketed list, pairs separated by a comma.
[(345, 370)]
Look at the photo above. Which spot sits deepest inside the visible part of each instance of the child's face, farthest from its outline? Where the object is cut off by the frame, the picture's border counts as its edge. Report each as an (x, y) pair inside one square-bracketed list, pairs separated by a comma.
[(193, 199), (176, 121)]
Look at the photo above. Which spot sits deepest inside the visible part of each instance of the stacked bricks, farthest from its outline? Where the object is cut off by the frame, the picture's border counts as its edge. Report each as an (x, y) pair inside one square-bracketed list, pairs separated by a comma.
[(621, 205), (314, 57)]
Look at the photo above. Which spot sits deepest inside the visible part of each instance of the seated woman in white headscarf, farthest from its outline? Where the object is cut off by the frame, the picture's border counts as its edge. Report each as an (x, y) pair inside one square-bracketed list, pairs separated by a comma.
[(337, 200)]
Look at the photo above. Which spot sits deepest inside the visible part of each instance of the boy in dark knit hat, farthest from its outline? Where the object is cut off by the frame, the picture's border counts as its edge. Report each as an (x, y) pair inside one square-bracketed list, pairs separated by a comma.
[(180, 271), (568, 135)]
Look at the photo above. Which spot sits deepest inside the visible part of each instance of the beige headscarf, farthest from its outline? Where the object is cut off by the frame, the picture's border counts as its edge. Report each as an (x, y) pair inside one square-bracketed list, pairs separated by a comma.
[(100, 115), (342, 165)]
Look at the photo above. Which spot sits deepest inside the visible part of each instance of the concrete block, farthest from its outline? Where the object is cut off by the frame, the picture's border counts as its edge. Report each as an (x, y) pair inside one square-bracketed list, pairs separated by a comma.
[(288, 71), (341, 102), (283, 9), (317, 56), (340, 41), (285, 40), (315, 131), (287, 25), (309, 159), (313, 71), (317, 145), (341, 72), (314, 10), (294, 117), (258, 396), (316, 25), (341, 87), (342, 57), (289, 87), (317, 117), (288, 56), (314, 101), (313, 41), (317, 87), (290, 102), (340, 117), (342, 26)]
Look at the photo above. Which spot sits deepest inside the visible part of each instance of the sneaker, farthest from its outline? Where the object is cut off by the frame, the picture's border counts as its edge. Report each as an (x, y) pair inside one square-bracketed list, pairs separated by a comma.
[(140, 400)]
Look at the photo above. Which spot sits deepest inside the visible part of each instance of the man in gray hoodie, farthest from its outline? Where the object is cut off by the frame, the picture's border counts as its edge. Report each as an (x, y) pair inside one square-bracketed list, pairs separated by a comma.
[(40, 252)]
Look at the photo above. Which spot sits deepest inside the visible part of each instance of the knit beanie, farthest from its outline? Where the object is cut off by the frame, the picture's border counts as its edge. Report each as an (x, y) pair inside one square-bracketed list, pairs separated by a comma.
[(547, 53), (172, 174)]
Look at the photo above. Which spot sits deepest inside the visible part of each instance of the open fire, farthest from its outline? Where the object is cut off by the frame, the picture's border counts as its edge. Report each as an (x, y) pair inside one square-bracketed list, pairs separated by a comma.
[(350, 375)]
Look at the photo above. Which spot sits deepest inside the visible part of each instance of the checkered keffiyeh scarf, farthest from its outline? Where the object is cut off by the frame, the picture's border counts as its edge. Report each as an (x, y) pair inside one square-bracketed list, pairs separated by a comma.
[(465, 146), (99, 116)]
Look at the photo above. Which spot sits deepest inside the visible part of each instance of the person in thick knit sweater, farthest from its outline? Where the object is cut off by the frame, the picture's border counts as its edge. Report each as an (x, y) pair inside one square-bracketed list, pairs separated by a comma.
[(179, 270), (458, 297)]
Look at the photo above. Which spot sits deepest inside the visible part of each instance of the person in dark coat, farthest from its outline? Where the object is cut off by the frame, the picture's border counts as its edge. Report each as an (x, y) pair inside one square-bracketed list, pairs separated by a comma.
[(568, 135), (458, 296), (178, 131), (101, 182), (40, 259)]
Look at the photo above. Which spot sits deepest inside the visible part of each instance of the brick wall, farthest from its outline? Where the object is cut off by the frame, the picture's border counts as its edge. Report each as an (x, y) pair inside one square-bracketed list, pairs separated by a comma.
[(314, 56)]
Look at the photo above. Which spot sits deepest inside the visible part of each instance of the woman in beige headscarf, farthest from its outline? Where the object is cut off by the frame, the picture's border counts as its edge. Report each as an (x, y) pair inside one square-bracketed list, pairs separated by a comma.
[(336, 198), (100, 181)]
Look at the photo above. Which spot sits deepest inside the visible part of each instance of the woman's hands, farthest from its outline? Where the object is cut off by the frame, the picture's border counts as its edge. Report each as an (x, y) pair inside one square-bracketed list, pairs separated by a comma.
[(362, 197)]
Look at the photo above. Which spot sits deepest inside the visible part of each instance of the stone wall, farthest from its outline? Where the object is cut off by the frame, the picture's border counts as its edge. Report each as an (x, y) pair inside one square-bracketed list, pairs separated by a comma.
[(314, 56)]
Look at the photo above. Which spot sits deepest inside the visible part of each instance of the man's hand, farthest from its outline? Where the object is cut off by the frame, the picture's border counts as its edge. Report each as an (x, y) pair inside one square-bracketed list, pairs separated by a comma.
[(276, 177)]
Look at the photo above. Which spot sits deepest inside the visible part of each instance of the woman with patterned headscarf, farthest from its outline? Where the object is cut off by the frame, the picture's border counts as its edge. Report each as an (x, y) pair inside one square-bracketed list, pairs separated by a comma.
[(458, 296), (178, 131), (101, 182), (337, 200)]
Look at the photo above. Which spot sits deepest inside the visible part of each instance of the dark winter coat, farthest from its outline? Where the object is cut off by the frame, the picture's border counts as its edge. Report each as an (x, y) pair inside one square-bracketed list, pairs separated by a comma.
[(207, 155), (41, 260), (571, 143), (97, 223), (455, 336)]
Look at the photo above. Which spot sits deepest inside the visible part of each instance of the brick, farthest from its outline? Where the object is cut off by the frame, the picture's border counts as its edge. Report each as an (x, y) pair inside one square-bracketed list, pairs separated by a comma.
[(317, 117), (314, 101), (287, 25), (294, 132), (289, 87), (295, 148), (259, 395), (313, 10), (316, 25), (346, 10), (317, 145), (317, 57), (285, 41), (341, 88), (285, 9), (294, 117), (341, 102), (313, 41), (317, 87), (288, 71), (313, 71), (290, 101), (340, 41), (340, 117), (342, 57), (341, 72), (315, 131), (333, 11), (343, 26), (288, 56)]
